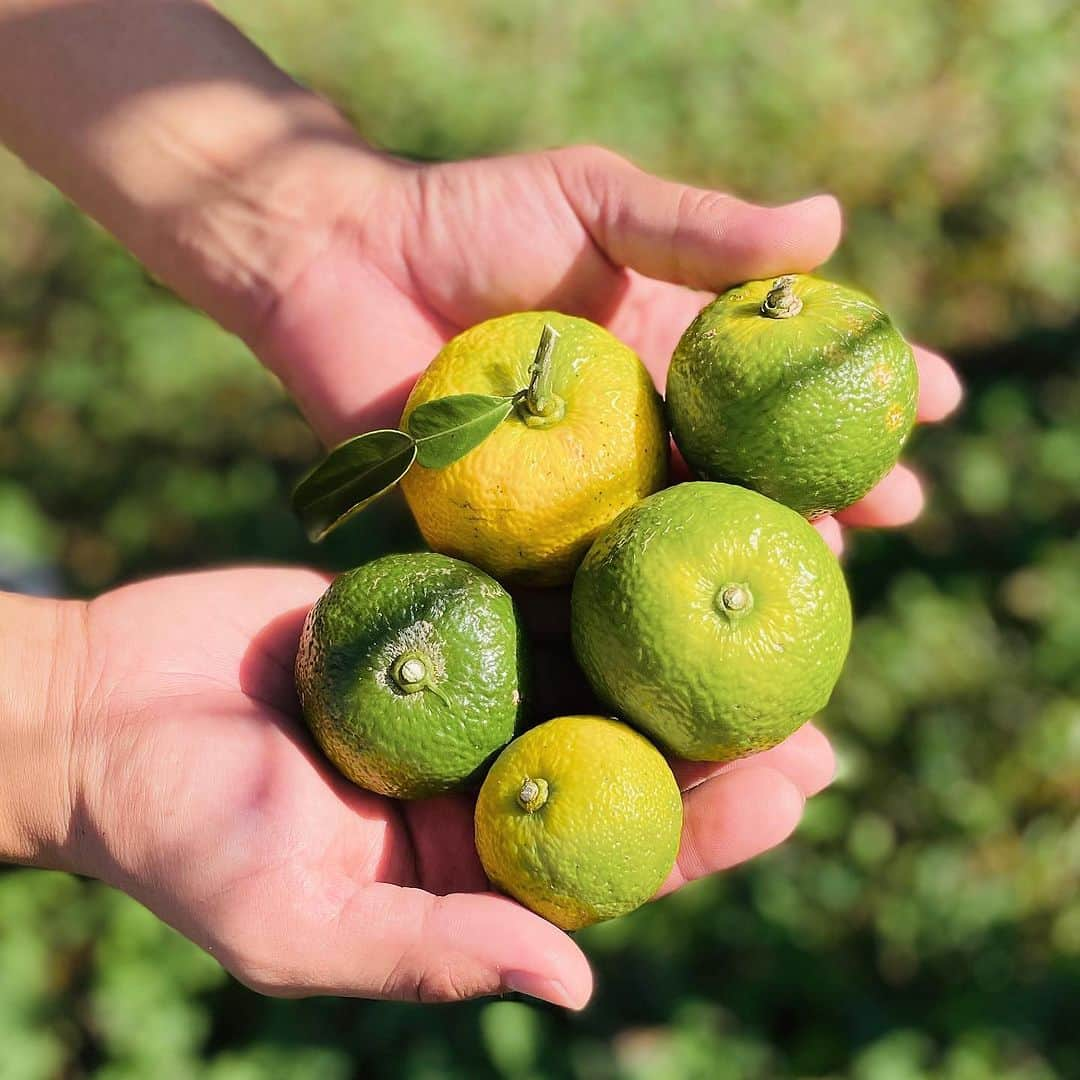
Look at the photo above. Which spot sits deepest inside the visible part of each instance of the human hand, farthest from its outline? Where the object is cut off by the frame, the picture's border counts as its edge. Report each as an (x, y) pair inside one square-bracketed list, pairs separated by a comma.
[(346, 269), (411, 255), (195, 789)]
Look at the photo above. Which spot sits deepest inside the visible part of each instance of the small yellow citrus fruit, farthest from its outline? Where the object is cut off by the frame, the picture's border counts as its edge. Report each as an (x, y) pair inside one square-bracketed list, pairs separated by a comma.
[(527, 502), (579, 819)]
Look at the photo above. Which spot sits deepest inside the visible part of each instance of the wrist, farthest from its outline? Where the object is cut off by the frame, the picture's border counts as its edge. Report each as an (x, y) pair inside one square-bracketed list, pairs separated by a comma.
[(237, 247), (40, 676), (230, 191), (181, 137)]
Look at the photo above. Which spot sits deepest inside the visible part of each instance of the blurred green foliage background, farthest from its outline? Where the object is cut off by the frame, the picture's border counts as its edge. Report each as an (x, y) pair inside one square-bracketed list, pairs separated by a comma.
[(925, 920)]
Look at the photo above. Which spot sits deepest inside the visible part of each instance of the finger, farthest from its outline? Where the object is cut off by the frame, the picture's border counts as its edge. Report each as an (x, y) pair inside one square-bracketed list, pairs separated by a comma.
[(692, 236), (805, 757), (441, 948), (831, 533), (442, 832), (732, 818), (896, 500), (940, 389)]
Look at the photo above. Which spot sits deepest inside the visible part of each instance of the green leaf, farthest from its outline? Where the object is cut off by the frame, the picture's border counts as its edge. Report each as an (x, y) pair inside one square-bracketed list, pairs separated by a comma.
[(352, 475), (448, 428)]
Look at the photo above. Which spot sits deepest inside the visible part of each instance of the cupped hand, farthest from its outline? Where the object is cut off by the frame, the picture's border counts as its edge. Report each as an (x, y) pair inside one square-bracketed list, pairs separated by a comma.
[(197, 791), (408, 256)]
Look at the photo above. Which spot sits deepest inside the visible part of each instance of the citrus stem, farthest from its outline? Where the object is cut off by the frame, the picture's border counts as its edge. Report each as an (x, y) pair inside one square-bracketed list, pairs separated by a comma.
[(781, 302), (533, 794), (734, 600), (411, 673), (540, 400)]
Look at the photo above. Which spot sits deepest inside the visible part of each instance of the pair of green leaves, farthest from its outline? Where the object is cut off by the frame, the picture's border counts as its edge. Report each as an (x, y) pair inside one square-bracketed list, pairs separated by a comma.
[(356, 473)]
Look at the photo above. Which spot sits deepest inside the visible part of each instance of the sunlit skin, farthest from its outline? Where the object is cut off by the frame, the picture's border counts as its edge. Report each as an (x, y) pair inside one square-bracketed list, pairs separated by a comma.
[(171, 761)]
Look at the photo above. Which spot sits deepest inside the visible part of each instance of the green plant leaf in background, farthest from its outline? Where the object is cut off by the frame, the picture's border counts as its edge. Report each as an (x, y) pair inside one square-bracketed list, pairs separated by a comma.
[(353, 475), (448, 428)]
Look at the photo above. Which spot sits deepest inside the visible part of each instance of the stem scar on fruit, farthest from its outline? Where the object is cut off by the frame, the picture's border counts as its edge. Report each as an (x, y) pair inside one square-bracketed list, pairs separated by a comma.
[(733, 600), (781, 301), (411, 673), (533, 794)]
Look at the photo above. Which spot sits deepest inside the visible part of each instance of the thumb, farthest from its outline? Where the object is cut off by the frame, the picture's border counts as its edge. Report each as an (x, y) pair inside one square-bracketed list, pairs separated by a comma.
[(410, 945), (467, 944), (687, 235)]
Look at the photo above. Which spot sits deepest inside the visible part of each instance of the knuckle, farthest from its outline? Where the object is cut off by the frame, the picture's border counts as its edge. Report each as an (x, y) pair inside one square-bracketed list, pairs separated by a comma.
[(590, 160), (703, 204), (439, 983), (425, 983)]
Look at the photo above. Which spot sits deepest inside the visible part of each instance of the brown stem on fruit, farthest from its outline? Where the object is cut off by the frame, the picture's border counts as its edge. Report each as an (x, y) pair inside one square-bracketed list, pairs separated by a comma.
[(533, 794), (781, 302)]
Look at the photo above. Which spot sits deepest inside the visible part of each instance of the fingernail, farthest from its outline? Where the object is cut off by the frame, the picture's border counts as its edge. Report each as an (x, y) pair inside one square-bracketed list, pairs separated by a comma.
[(537, 986), (955, 393)]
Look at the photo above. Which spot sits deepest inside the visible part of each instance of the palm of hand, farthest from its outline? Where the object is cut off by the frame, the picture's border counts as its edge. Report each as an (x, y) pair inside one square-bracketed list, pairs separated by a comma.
[(296, 880), (247, 842)]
